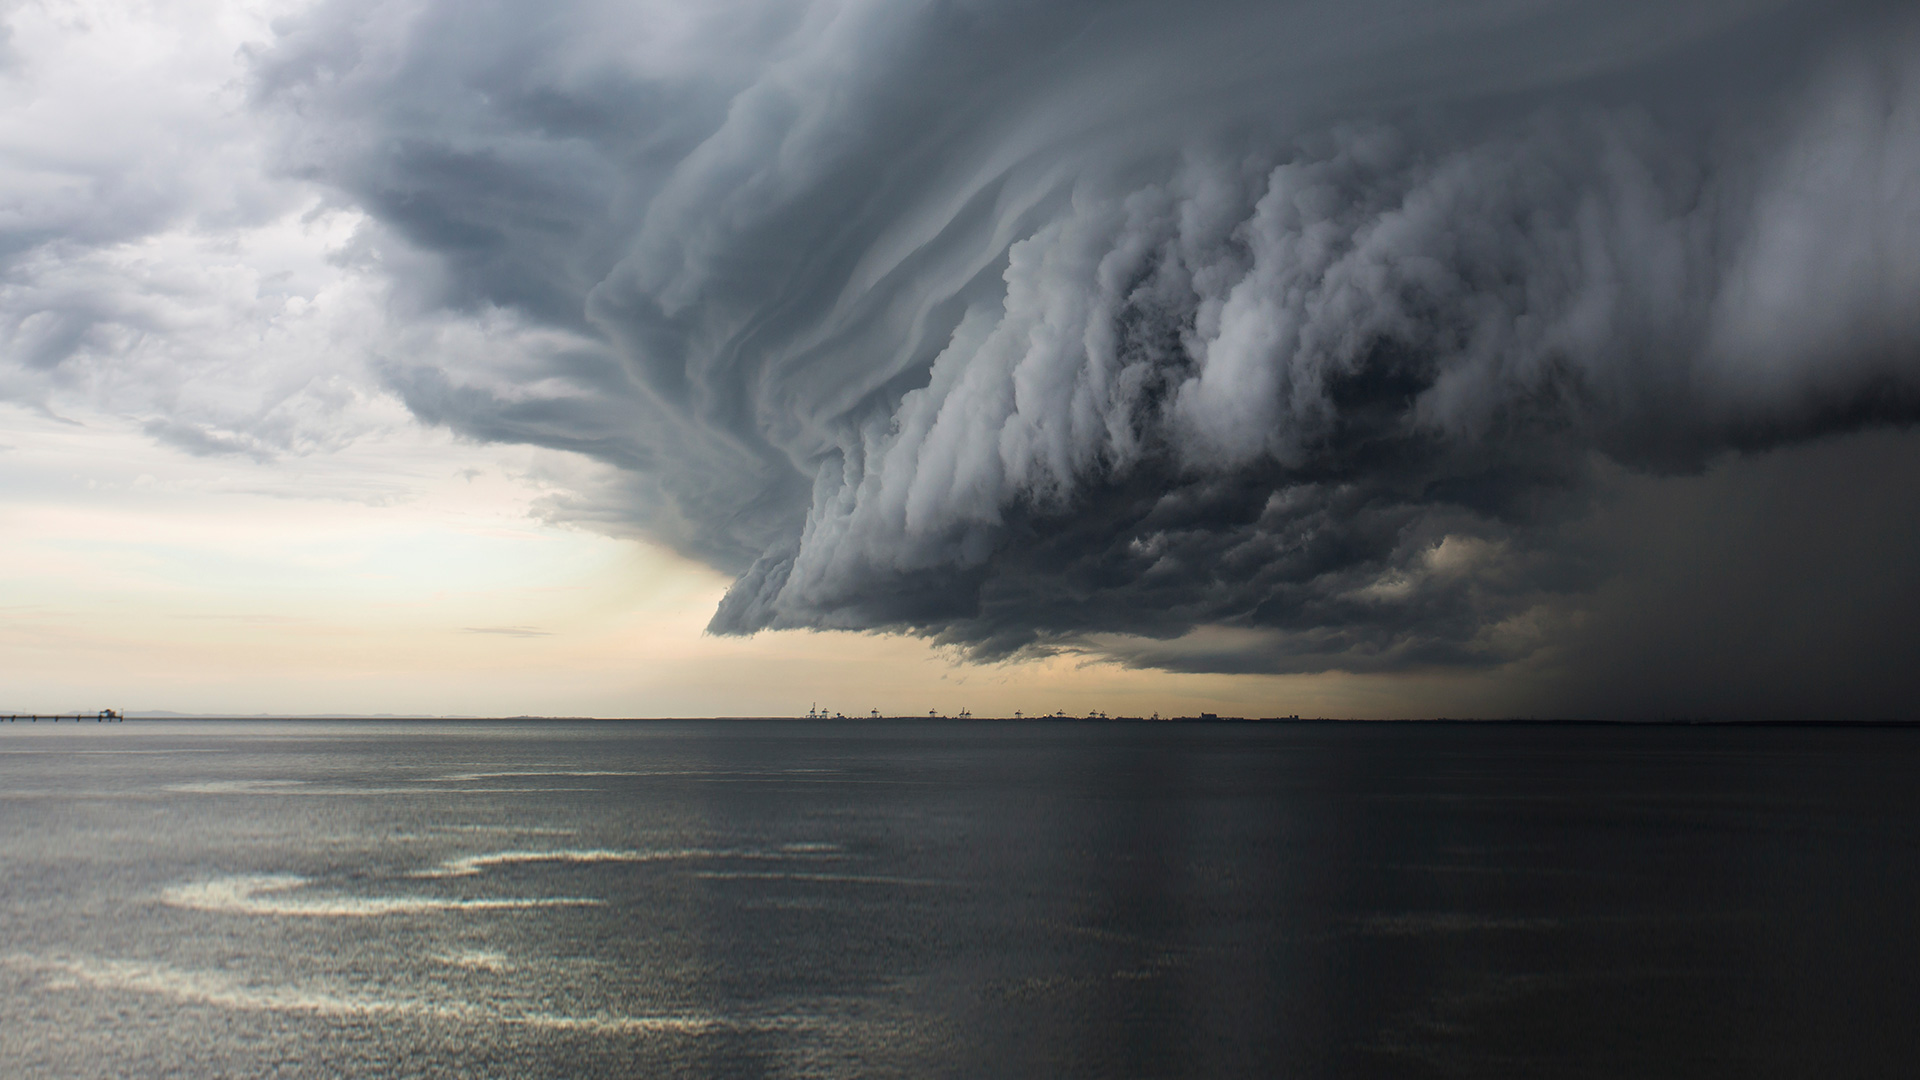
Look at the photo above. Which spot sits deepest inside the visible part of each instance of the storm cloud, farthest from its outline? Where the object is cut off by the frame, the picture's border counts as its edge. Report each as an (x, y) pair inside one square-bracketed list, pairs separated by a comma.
[(1316, 327)]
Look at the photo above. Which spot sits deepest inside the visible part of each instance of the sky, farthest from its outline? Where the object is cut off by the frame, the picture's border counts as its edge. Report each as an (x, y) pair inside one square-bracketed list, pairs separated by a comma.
[(1373, 358)]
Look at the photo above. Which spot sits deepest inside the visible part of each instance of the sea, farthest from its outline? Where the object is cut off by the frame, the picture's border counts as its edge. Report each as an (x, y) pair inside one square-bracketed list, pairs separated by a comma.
[(925, 898)]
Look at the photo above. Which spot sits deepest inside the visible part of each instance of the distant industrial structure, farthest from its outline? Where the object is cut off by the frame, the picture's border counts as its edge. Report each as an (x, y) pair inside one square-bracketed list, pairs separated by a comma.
[(104, 716), (819, 712)]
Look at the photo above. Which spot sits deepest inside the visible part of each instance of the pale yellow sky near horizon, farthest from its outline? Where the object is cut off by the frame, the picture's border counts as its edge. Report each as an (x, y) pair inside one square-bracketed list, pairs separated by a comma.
[(213, 500), (408, 573)]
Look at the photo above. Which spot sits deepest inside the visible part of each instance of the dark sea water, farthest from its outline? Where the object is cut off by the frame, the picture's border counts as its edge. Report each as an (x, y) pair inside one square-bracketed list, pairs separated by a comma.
[(543, 899)]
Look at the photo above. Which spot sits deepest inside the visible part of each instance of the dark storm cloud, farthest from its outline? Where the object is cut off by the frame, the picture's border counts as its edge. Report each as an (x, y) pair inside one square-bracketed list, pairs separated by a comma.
[(1025, 325)]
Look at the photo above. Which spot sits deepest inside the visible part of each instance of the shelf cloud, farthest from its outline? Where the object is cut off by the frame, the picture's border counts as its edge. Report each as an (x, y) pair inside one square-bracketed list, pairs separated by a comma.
[(1219, 336)]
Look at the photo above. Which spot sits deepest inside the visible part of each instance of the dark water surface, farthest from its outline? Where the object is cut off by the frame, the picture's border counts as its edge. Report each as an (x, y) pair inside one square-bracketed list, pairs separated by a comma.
[(733, 898)]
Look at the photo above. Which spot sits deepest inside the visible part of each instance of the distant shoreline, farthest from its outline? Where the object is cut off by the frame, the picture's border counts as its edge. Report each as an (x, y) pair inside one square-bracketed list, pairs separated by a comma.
[(1204, 719)]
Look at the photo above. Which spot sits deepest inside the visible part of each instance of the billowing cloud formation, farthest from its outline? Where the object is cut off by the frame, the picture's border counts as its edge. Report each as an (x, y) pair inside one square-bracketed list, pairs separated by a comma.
[(1020, 324), (146, 259)]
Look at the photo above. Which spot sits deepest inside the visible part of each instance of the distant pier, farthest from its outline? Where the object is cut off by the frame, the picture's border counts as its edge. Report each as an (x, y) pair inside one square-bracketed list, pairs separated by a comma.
[(104, 716)]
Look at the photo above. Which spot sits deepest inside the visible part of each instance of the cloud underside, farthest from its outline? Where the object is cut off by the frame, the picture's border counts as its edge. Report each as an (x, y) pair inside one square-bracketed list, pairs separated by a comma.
[(1017, 328), (1215, 337)]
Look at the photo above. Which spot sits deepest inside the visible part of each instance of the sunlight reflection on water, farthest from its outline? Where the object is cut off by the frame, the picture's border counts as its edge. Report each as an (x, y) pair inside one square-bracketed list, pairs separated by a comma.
[(920, 899)]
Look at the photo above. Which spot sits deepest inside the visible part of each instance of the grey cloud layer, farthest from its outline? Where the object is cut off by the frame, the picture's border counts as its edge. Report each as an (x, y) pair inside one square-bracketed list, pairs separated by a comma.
[(1020, 325), (153, 274)]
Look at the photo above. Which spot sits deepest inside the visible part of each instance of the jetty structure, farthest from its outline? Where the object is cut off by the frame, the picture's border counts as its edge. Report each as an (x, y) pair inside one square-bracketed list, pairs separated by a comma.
[(104, 716)]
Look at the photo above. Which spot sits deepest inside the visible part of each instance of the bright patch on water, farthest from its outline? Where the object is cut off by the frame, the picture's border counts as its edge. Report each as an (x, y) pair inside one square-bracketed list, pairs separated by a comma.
[(474, 864), (272, 894), (238, 787), (478, 960), (223, 990)]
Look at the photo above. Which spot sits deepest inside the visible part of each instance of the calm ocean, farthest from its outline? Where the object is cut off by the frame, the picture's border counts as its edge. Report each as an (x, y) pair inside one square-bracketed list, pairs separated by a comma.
[(1052, 899)]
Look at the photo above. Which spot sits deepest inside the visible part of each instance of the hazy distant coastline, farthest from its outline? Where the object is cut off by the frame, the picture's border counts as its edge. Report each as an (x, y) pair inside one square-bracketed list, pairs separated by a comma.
[(1203, 718)]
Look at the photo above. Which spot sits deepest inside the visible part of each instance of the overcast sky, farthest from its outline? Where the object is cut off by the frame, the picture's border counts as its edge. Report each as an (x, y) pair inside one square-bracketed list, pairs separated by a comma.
[(1370, 357)]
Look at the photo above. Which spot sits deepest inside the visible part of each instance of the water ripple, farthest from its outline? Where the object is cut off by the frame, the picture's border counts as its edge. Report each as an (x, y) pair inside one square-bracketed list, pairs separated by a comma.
[(223, 990), (275, 894)]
